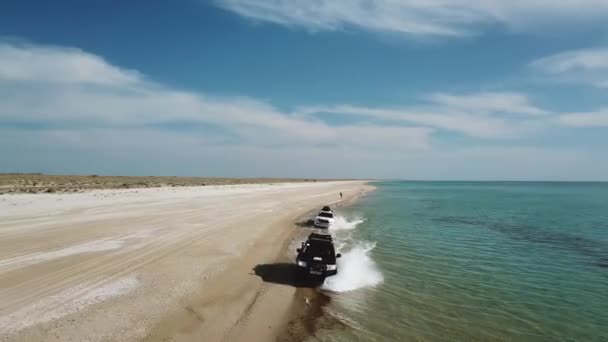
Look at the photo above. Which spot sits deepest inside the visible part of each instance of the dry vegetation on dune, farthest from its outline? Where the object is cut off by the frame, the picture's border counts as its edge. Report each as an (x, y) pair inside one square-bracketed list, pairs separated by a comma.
[(41, 183)]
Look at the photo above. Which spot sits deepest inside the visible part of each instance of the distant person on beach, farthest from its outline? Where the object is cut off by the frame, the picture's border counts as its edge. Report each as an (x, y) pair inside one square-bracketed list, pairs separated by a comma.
[(340, 195)]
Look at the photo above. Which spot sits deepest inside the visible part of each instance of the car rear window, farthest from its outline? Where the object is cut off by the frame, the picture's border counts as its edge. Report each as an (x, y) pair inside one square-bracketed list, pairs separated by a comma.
[(319, 249), (330, 215)]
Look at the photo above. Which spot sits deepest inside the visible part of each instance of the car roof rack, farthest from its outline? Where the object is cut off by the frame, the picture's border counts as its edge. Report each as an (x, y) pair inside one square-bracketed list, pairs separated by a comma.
[(323, 237)]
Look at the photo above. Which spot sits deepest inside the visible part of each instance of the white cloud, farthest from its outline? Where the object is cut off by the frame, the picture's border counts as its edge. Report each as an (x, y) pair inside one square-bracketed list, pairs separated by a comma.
[(56, 64), (59, 85), (489, 102), (480, 115), (133, 151), (587, 59), (589, 119), (81, 100), (452, 121), (420, 18), (385, 137), (93, 117), (588, 66), (520, 163)]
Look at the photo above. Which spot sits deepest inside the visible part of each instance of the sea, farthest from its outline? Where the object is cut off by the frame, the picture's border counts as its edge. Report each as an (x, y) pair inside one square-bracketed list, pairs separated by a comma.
[(471, 261)]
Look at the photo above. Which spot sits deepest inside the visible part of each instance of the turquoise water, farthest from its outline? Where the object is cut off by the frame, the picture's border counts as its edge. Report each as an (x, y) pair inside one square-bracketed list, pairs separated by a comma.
[(436, 261)]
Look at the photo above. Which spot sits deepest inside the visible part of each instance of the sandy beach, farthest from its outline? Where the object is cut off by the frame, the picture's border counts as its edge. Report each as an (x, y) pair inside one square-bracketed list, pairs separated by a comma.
[(158, 264)]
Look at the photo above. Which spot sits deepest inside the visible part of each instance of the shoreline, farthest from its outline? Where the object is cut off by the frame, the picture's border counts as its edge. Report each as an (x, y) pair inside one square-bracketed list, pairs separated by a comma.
[(156, 264), (306, 311), (280, 307)]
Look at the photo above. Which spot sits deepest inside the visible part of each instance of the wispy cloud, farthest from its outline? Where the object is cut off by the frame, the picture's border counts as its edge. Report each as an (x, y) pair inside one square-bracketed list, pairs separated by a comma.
[(588, 59), (489, 102), (61, 107), (588, 66), (417, 18), (79, 96), (59, 65), (481, 115), (597, 118)]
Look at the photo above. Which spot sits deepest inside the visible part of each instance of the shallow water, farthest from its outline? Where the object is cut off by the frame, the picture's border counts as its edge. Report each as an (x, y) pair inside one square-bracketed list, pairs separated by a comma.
[(435, 261)]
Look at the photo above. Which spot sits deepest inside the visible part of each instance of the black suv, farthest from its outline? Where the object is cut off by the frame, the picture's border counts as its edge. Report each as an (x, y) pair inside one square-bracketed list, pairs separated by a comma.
[(317, 256)]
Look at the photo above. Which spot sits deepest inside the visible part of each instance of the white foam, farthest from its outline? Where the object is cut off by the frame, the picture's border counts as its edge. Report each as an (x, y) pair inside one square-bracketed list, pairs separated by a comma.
[(342, 223), (65, 303), (356, 269)]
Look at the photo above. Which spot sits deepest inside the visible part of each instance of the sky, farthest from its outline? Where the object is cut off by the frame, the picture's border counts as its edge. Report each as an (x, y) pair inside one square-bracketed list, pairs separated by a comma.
[(388, 89)]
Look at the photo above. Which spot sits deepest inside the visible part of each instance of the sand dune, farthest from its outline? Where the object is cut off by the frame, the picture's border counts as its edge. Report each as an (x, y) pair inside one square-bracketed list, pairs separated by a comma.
[(148, 264)]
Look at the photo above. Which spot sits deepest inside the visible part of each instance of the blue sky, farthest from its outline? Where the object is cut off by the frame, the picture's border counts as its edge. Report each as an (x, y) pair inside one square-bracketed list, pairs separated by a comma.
[(407, 89)]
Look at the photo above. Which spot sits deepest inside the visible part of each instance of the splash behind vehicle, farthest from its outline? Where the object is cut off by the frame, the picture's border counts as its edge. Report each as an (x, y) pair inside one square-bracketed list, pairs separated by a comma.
[(325, 218), (317, 256)]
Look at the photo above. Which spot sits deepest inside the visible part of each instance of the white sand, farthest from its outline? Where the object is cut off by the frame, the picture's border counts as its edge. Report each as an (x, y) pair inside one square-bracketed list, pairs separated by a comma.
[(66, 302)]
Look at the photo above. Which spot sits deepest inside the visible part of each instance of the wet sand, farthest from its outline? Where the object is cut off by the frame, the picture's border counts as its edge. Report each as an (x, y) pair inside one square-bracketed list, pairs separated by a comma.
[(162, 264), (306, 313)]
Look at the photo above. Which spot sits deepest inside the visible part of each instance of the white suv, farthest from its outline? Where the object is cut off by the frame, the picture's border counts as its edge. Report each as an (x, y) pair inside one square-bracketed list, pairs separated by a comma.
[(325, 218)]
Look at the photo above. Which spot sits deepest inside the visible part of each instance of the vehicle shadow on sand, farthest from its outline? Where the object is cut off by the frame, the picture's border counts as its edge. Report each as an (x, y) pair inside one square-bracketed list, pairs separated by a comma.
[(286, 274), (310, 223)]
